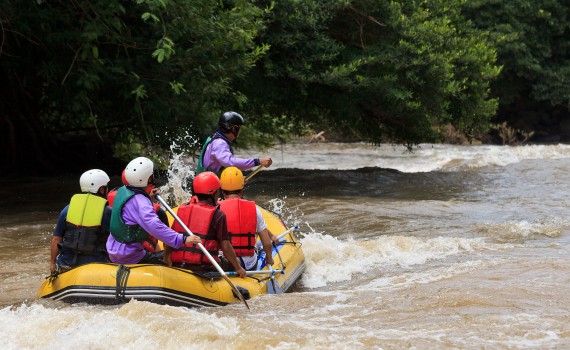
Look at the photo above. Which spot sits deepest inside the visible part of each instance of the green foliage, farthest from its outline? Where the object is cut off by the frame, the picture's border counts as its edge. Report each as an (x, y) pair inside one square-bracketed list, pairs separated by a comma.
[(133, 72), (264, 131), (532, 40), (393, 70), (141, 67)]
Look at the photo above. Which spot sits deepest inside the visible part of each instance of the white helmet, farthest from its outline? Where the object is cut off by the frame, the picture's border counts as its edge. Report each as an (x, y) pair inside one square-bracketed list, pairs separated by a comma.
[(138, 171), (91, 180)]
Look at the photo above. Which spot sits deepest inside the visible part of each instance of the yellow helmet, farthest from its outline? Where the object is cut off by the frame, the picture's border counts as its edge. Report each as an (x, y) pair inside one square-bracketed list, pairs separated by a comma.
[(232, 179)]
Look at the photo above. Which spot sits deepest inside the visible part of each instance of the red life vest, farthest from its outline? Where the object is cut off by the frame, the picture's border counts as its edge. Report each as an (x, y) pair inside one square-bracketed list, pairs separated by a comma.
[(242, 224), (150, 242), (198, 218)]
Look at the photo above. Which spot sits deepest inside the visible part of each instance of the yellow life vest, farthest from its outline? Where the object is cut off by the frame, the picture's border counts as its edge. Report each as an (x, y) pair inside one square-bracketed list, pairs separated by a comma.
[(86, 209), (83, 230)]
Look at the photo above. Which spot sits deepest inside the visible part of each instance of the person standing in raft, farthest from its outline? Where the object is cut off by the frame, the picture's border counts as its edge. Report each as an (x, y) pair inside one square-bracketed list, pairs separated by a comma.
[(204, 219), (244, 221), (133, 217), (217, 152), (83, 226)]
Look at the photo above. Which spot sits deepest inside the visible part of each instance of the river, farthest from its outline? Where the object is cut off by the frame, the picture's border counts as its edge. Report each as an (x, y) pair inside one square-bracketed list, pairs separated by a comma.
[(448, 247)]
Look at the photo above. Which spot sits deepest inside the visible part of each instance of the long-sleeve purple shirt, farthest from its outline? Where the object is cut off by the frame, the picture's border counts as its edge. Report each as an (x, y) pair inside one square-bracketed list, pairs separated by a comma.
[(139, 211), (218, 155)]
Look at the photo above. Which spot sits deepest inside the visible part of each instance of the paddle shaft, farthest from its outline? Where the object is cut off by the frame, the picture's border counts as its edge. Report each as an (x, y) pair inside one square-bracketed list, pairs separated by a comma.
[(286, 232), (254, 172), (260, 272), (203, 249)]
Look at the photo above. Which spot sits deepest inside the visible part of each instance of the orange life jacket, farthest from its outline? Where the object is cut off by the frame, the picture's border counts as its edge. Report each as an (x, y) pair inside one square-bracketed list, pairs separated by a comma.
[(198, 218), (242, 224)]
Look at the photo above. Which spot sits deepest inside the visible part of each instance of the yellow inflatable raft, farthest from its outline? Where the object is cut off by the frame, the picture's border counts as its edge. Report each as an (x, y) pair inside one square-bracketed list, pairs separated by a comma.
[(114, 284)]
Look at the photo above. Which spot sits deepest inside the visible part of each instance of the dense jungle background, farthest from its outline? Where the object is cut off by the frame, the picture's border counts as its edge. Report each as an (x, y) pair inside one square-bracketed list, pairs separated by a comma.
[(92, 83)]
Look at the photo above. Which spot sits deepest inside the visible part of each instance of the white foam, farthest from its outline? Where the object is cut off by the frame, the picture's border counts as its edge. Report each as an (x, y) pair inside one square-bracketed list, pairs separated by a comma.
[(135, 325), (425, 158), (519, 231), (331, 260), (402, 281)]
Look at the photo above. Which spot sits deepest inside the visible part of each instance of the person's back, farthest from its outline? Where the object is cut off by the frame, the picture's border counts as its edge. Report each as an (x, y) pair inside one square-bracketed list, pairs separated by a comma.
[(245, 221), (83, 226), (150, 243), (204, 219), (133, 218)]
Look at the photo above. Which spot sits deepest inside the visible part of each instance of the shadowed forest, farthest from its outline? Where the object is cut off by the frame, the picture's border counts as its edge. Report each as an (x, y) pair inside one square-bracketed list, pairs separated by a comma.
[(92, 83)]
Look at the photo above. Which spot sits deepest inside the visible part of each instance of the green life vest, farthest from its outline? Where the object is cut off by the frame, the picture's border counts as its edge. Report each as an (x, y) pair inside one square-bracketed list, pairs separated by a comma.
[(122, 232), (200, 167)]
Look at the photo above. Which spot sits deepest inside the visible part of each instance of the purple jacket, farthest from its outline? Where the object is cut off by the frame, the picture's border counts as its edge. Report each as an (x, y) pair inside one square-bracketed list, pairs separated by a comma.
[(138, 210), (218, 155)]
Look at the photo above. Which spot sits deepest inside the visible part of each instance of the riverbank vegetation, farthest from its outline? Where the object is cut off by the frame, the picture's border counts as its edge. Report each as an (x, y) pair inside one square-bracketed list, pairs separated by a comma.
[(90, 83)]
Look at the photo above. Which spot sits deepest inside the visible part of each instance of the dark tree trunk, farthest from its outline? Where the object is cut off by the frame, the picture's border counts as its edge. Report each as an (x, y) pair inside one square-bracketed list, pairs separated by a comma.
[(25, 147)]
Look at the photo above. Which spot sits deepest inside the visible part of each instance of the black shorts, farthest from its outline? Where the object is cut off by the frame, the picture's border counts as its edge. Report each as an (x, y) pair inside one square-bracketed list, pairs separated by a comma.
[(150, 258)]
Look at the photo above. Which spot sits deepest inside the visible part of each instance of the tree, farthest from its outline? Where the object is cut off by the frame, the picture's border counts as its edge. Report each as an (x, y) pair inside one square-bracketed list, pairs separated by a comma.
[(119, 75), (532, 40), (381, 70), (118, 72)]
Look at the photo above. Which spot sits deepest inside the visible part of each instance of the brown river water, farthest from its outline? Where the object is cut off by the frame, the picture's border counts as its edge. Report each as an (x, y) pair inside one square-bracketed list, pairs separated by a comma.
[(449, 247)]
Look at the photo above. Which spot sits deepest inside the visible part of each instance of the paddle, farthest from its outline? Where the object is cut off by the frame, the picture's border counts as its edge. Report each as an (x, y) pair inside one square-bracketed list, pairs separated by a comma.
[(286, 232), (253, 173), (273, 287), (247, 273), (203, 249)]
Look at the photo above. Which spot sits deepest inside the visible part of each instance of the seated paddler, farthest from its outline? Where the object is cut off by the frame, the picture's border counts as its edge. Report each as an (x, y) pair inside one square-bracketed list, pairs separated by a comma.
[(244, 220), (203, 217), (133, 218), (83, 226)]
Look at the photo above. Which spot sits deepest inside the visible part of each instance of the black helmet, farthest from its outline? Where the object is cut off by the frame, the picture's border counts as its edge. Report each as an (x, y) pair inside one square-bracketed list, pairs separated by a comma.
[(229, 119)]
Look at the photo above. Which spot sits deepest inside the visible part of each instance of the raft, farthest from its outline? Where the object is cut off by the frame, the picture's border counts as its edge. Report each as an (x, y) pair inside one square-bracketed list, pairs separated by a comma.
[(100, 283)]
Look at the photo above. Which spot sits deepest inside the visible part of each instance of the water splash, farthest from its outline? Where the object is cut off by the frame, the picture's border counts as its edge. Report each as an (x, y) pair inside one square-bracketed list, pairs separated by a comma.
[(181, 169), (522, 231), (330, 260), (291, 217)]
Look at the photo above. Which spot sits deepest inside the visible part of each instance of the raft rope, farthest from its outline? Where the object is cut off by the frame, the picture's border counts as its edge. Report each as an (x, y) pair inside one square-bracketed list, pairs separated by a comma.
[(123, 273), (281, 262), (52, 276)]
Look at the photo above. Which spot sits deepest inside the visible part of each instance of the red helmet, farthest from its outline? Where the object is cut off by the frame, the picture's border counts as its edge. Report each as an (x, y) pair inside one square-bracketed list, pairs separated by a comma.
[(206, 183), (124, 179), (111, 196)]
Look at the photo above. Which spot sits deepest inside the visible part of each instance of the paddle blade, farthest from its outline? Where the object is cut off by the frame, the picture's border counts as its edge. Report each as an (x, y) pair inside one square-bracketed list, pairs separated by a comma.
[(273, 287), (236, 291)]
